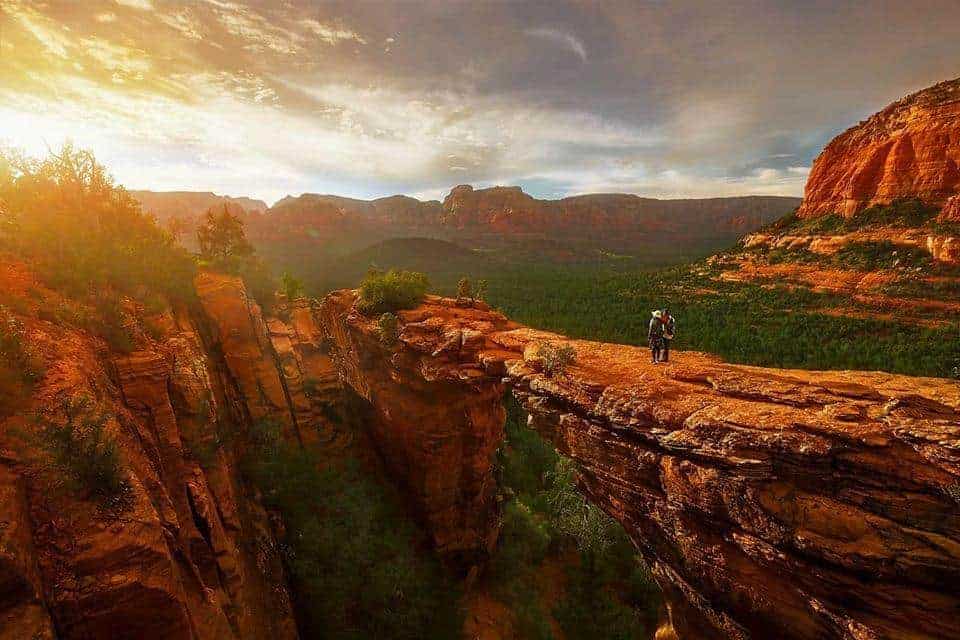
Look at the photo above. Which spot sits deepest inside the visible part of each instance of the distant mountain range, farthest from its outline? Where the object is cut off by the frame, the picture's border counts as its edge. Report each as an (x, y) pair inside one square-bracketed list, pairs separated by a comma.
[(487, 218), (189, 204)]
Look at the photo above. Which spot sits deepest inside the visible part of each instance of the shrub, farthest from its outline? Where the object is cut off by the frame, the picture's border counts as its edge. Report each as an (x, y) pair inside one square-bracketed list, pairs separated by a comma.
[(871, 256), (464, 290), (391, 291), (556, 358), (592, 531), (524, 540), (13, 352), (292, 287), (481, 292), (388, 329), (112, 326), (222, 240), (84, 454)]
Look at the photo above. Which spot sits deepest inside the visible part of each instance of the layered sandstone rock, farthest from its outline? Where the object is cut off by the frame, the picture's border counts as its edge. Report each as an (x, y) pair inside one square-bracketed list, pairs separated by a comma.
[(950, 211), (769, 503), (436, 432), (188, 553), (911, 149)]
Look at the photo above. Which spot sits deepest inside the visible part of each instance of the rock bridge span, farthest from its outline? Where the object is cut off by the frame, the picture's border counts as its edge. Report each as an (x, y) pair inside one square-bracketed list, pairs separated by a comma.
[(769, 503)]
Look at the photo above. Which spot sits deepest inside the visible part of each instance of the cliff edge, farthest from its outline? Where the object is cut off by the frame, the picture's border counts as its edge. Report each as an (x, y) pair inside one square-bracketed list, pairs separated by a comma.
[(769, 503)]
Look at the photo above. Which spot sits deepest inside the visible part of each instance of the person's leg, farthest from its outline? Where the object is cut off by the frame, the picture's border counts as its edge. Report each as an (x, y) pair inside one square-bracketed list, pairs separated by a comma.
[(655, 350), (665, 351)]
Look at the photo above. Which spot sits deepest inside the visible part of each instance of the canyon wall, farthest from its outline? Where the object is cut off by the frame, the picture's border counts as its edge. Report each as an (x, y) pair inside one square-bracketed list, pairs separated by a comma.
[(911, 149), (188, 552), (769, 503)]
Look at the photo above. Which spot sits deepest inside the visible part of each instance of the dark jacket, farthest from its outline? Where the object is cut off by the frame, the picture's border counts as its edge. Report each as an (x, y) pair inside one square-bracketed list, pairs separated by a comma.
[(655, 332), (670, 326)]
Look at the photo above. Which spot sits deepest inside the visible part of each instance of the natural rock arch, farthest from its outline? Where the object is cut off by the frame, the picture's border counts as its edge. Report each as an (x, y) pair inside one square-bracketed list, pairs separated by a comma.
[(769, 503)]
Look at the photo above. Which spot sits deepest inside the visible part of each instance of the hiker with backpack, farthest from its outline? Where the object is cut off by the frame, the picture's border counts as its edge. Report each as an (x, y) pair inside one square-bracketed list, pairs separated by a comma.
[(660, 334), (669, 326)]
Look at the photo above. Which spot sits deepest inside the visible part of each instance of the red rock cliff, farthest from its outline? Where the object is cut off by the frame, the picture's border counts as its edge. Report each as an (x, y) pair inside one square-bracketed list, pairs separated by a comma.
[(769, 503), (193, 556), (436, 432), (911, 149)]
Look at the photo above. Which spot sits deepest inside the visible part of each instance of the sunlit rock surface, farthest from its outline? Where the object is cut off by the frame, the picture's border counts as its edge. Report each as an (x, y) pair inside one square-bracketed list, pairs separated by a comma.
[(911, 149), (769, 503)]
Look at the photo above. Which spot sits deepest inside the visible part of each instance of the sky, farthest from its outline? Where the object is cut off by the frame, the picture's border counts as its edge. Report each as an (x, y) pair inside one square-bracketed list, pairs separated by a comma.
[(366, 99)]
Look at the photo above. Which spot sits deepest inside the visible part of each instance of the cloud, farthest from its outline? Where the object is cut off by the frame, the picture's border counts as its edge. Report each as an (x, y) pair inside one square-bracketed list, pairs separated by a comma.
[(331, 34), (561, 38), (368, 99), (143, 5)]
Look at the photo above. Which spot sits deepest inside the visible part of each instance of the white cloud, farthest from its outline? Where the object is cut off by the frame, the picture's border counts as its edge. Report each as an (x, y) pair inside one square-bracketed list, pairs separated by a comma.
[(561, 38), (329, 33), (143, 5)]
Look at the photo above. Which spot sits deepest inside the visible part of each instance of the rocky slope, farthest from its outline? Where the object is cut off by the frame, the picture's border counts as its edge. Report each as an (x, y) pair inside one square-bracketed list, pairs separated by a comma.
[(190, 554), (879, 220), (911, 149), (770, 503)]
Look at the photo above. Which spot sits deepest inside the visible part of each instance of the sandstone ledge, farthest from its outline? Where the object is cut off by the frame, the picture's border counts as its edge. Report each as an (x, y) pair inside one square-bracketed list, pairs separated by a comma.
[(770, 503)]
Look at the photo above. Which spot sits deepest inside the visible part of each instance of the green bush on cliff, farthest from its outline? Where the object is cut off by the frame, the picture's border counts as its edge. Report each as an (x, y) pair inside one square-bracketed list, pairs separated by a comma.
[(224, 247), (82, 454), (908, 213), (388, 329), (393, 290), (556, 358), (20, 368)]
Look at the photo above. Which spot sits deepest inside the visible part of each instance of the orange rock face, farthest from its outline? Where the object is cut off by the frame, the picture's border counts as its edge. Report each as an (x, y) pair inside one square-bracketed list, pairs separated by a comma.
[(436, 433), (911, 149), (769, 503), (951, 210), (193, 555)]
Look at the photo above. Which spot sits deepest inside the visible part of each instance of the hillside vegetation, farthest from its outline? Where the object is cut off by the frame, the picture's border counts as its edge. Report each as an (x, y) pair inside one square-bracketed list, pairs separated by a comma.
[(762, 322)]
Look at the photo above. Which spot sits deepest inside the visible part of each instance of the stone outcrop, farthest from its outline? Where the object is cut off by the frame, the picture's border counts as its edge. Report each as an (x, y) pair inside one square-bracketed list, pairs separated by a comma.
[(769, 503), (436, 433), (950, 211), (911, 149)]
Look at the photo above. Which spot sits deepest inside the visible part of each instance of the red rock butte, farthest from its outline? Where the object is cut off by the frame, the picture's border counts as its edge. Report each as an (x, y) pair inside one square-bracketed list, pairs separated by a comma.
[(911, 149)]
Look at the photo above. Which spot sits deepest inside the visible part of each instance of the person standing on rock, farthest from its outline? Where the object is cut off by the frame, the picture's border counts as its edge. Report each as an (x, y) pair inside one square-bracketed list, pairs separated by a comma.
[(655, 335), (669, 326)]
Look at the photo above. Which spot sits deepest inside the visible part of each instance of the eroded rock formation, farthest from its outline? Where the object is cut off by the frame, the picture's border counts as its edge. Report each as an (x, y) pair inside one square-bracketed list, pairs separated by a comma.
[(769, 503), (911, 149), (191, 554), (437, 433)]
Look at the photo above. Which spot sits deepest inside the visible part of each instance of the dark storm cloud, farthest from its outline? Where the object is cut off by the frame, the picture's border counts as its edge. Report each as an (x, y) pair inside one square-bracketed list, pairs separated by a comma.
[(367, 98)]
